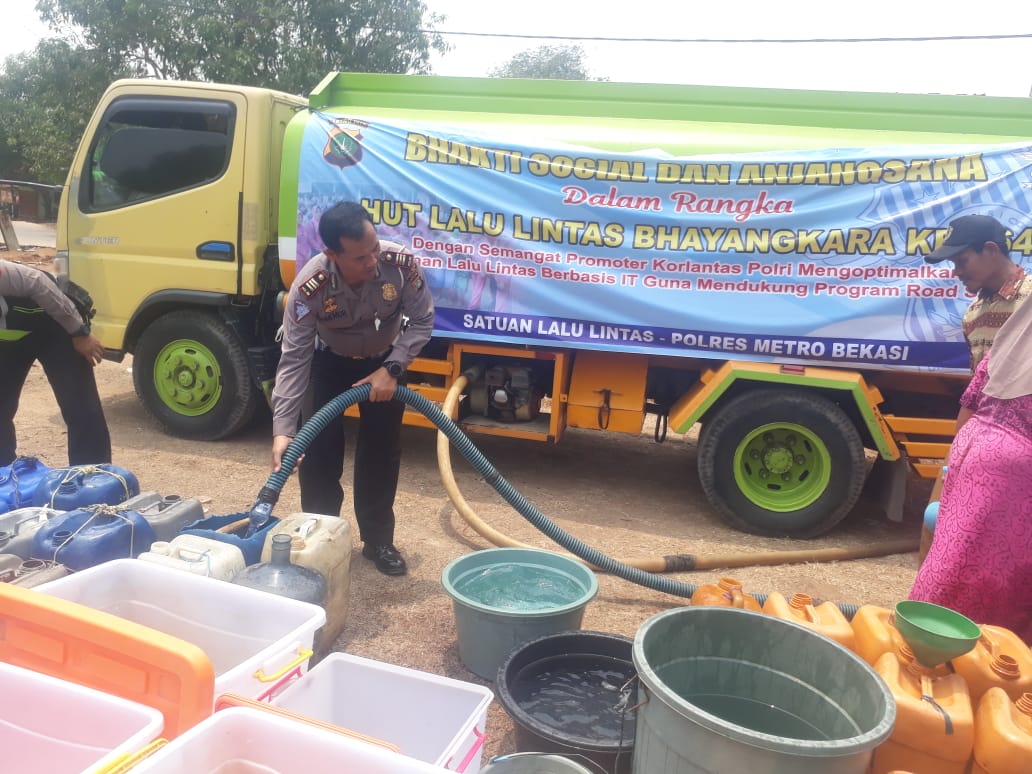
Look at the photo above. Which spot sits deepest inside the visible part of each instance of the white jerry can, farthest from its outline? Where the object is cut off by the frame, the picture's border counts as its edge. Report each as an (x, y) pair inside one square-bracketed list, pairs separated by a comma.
[(199, 555)]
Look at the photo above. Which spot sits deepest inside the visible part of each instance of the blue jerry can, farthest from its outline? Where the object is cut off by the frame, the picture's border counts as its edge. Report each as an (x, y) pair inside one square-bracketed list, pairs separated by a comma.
[(65, 489), (88, 536), (18, 482)]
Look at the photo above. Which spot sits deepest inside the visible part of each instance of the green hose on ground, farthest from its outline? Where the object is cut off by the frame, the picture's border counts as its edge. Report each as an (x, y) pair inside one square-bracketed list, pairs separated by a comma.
[(269, 494)]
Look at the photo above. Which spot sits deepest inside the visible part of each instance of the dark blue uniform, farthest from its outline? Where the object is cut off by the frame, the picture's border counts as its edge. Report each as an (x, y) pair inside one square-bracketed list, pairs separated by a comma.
[(37, 322)]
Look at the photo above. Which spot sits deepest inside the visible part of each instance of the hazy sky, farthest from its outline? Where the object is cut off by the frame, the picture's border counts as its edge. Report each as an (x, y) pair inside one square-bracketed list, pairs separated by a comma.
[(998, 67)]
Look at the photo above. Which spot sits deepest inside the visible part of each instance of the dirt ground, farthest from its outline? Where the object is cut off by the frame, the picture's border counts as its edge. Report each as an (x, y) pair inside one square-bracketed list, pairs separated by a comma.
[(625, 495)]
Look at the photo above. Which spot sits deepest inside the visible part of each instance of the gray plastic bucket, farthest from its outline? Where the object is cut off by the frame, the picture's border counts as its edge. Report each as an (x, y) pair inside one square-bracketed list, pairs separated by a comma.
[(489, 632), (725, 691), (535, 763)]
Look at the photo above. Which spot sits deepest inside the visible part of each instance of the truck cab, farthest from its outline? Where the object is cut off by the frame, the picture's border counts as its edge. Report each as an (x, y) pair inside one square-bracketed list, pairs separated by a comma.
[(169, 219)]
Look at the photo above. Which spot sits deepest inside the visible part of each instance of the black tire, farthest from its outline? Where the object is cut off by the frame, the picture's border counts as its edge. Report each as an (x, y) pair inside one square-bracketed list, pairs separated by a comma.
[(740, 419), (220, 401)]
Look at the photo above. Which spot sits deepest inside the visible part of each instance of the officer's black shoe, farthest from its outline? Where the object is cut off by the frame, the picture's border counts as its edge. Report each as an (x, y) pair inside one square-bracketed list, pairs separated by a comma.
[(387, 558)]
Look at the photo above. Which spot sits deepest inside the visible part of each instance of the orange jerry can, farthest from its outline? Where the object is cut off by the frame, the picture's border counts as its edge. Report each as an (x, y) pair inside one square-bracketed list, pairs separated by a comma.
[(1003, 734), (1001, 658), (727, 593), (875, 633), (934, 729), (824, 618)]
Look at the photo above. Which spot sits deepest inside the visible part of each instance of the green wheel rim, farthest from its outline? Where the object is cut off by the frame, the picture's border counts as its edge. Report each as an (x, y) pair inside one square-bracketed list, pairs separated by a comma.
[(782, 467), (187, 377)]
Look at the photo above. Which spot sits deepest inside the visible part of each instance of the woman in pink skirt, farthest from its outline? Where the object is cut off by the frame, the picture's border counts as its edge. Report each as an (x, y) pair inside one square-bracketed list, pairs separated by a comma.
[(980, 561)]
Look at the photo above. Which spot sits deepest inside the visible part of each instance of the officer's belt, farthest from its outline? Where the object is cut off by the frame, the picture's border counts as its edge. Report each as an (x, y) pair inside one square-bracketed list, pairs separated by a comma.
[(366, 357)]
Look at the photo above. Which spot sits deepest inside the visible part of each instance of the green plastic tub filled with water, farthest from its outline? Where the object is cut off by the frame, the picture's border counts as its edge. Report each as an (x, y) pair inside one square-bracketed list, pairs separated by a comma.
[(505, 597)]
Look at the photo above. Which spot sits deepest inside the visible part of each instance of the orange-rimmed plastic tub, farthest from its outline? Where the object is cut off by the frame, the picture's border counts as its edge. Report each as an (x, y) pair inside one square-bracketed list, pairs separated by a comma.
[(228, 700), (82, 645), (254, 639), (241, 739)]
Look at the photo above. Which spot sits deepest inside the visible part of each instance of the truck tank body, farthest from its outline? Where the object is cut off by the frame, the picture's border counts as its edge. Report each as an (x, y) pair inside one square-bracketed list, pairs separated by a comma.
[(692, 222)]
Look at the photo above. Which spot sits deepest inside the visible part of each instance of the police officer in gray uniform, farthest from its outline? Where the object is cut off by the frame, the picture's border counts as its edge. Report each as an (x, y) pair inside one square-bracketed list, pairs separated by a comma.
[(342, 327), (39, 322)]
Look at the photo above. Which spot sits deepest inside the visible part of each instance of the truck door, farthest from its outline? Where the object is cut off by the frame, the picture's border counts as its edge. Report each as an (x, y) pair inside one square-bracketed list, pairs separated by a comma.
[(154, 202)]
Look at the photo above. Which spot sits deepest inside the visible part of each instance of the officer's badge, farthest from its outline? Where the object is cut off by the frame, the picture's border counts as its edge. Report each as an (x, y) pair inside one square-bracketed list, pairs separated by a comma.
[(300, 311), (311, 285), (389, 291), (329, 305)]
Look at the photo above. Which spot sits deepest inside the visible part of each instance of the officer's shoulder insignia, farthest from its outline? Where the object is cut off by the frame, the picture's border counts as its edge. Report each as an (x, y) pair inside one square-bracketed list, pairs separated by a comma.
[(300, 311), (388, 291), (414, 276), (395, 258), (311, 285)]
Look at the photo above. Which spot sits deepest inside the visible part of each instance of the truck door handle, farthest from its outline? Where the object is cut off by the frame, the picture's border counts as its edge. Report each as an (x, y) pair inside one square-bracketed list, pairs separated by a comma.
[(216, 251)]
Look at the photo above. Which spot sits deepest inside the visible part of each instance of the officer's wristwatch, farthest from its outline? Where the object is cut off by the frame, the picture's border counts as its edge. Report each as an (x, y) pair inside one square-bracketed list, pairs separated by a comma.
[(85, 330), (394, 369)]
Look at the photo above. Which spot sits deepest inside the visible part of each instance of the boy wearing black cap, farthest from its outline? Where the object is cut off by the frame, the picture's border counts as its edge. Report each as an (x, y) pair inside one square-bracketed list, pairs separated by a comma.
[(979, 247)]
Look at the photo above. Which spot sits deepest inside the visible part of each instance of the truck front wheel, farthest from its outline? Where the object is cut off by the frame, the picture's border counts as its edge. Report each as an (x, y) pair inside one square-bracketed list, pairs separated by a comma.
[(190, 371), (781, 463)]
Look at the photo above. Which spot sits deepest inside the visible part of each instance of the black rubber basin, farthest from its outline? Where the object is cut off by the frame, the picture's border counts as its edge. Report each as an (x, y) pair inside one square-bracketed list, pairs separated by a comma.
[(571, 693)]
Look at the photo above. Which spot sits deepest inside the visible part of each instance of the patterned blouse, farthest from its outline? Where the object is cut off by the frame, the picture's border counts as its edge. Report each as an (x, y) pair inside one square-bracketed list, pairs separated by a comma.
[(1015, 413)]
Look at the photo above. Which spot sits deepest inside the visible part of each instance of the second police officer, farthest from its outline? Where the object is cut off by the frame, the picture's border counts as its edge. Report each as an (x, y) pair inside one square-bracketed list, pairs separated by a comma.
[(342, 327)]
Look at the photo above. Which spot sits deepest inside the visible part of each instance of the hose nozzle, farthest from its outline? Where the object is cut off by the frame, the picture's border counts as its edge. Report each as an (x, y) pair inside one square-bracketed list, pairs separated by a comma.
[(261, 511)]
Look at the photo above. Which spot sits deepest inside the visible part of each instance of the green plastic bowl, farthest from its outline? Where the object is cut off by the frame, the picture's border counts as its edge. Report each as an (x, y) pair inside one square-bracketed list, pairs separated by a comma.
[(934, 633)]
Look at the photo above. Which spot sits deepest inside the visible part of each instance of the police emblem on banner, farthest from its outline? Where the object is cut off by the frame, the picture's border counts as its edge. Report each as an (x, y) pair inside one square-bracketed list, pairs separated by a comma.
[(329, 305), (343, 147), (389, 291)]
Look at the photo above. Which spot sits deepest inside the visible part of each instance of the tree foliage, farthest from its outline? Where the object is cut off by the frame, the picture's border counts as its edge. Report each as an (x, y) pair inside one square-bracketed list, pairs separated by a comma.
[(565, 63), (48, 96), (284, 44)]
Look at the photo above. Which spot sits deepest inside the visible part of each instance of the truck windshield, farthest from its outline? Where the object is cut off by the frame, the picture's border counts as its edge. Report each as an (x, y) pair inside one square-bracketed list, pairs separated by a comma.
[(147, 148)]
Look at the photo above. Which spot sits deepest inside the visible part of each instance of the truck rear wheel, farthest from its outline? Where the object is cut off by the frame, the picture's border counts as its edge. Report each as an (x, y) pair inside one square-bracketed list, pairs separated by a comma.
[(781, 463), (190, 371)]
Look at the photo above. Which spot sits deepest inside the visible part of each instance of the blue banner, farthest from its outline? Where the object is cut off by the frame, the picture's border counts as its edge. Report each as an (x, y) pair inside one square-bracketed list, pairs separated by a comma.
[(807, 256)]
